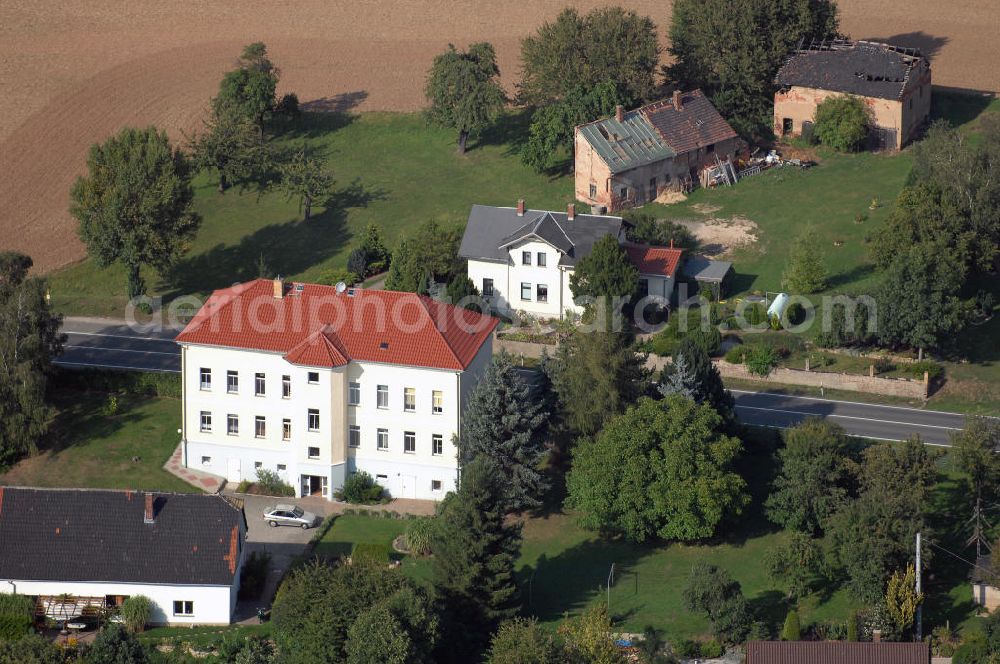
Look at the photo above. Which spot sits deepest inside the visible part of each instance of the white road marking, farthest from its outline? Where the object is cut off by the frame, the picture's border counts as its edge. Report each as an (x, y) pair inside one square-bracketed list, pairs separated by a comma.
[(849, 417), (118, 336), (852, 403), (123, 350), (112, 366)]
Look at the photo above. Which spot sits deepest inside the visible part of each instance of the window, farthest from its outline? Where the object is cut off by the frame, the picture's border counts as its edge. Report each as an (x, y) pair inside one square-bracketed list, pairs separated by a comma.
[(233, 424), (313, 452), (911, 103), (437, 444), (206, 378), (258, 464), (286, 387), (525, 258), (313, 378), (435, 485), (525, 291), (409, 442), (709, 149), (382, 392), (286, 429), (652, 189), (184, 608), (437, 402), (354, 436), (206, 461), (353, 394), (623, 192), (409, 399), (313, 419), (541, 259), (383, 439), (232, 382), (643, 289), (281, 467), (259, 427), (258, 385), (206, 421), (381, 479), (542, 293), (593, 191), (487, 288)]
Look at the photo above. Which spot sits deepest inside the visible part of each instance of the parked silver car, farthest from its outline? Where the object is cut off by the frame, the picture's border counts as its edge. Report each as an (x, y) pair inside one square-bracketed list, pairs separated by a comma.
[(289, 515)]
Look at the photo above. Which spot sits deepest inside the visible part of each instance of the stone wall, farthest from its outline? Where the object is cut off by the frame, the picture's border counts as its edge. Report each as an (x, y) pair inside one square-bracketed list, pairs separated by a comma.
[(522, 348), (898, 387)]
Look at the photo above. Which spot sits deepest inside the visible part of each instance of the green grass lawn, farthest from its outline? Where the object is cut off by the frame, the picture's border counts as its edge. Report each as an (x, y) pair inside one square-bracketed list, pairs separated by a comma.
[(88, 449), (391, 169)]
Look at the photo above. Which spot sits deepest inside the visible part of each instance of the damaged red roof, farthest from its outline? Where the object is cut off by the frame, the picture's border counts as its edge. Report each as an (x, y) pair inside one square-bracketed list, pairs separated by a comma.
[(314, 325), (654, 260)]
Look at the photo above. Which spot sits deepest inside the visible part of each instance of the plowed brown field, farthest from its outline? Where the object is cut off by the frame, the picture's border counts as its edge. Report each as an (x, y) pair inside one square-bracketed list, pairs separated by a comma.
[(71, 73)]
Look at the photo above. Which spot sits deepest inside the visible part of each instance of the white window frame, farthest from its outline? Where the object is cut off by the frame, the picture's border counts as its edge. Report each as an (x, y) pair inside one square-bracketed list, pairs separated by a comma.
[(410, 399), (437, 402), (309, 452), (286, 387), (382, 397), (187, 607), (354, 436), (410, 441), (541, 260), (437, 444), (286, 429), (487, 287), (259, 384), (205, 379), (206, 421), (232, 424), (232, 382), (382, 440), (525, 258), (525, 288), (309, 419), (259, 426), (353, 394)]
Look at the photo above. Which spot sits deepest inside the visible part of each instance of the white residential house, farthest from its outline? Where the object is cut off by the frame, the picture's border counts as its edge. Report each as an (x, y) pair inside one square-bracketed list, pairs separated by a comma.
[(81, 552), (521, 260), (316, 384)]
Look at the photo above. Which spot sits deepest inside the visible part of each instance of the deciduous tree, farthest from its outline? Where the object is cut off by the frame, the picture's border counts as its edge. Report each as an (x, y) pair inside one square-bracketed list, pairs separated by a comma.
[(644, 228), (474, 551), (464, 91), (692, 375), (135, 203), (662, 469), (522, 641), (601, 276), (402, 629), (805, 272), (29, 341), (711, 591), (793, 563), (816, 476), (842, 122), (305, 178), (232, 147), (503, 424), (430, 253), (248, 91)]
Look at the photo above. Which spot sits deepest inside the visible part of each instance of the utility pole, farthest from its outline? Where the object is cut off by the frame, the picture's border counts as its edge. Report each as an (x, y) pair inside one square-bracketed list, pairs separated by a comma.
[(919, 631)]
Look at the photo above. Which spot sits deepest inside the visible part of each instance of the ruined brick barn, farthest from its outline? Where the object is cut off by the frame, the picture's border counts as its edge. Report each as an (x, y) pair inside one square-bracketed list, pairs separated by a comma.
[(632, 158), (894, 82)]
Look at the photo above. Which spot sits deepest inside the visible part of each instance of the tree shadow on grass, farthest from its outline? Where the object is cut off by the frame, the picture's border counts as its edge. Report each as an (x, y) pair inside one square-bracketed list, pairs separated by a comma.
[(287, 248), (771, 607), (848, 277), (79, 419), (511, 130)]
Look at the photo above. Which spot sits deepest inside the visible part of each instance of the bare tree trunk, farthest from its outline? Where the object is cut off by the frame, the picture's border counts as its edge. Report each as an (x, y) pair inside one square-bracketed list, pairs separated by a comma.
[(308, 207), (463, 136), (920, 354), (223, 185)]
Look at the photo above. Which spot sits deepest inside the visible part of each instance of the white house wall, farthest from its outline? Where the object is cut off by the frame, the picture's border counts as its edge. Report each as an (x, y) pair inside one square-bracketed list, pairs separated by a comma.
[(213, 605)]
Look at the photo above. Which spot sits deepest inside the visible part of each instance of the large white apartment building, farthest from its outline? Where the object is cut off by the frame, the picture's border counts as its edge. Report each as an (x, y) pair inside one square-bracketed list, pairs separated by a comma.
[(317, 384), (522, 259)]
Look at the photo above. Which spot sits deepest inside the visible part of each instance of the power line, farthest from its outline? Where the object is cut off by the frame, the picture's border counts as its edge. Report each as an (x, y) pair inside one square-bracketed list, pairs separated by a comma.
[(955, 555)]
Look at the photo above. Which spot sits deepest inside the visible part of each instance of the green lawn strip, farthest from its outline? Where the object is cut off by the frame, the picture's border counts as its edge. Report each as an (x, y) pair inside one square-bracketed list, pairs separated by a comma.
[(350, 529), (200, 637), (89, 449), (391, 169)]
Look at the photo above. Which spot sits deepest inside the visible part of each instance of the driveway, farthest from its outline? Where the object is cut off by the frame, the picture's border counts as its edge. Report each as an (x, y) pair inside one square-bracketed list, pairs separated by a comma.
[(284, 543)]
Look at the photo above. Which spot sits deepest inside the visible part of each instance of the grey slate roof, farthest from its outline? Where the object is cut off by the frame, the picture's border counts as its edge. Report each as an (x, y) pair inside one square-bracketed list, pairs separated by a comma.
[(700, 268), (98, 535), (490, 229), (867, 69)]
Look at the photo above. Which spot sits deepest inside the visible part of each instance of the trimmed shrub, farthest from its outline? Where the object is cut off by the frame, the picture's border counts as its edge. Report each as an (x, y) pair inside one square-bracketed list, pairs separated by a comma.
[(852, 626), (791, 631), (736, 354), (711, 649), (135, 611), (709, 340), (378, 553), (418, 536), (842, 122), (269, 483), (360, 488), (755, 314), (687, 649), (333, 277), (917, 369), (796, 314)]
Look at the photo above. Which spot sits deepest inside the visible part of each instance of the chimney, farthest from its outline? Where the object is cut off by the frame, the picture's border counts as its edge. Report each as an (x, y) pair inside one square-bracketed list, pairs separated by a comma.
[(571, 212), (148, 517), (619, 112), (279, 287), (520, 207), (678, 106), (876, 636)]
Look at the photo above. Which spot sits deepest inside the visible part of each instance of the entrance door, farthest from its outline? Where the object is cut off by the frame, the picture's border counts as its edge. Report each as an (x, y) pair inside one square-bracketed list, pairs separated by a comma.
[(234, 473), (406, 486), (314, 485), (786, 126)]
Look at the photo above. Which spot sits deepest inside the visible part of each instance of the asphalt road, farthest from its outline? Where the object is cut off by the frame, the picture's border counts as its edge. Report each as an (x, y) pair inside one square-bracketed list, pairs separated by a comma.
[(108, 344)]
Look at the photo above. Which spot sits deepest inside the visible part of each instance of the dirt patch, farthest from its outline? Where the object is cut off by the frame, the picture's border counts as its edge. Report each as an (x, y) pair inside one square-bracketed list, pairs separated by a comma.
[(718, 236), (74, 73)]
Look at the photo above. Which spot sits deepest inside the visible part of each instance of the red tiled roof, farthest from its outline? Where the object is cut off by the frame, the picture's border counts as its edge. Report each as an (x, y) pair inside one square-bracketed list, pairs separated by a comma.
[(836, 652), (696, 125), (654, 260), (313, 325)]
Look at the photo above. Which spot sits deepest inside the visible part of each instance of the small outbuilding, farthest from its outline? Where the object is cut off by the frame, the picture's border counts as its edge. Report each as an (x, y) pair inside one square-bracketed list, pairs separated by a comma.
[(717, 276), (81, 552), (985, 592)]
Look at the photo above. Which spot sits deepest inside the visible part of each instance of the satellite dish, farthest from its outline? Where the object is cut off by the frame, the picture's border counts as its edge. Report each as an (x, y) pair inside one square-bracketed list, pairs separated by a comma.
[(341, 286)]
